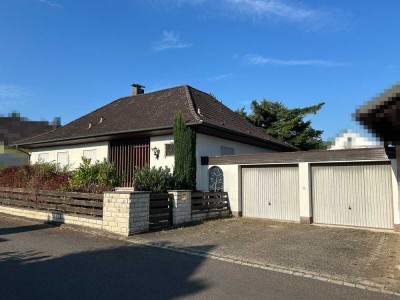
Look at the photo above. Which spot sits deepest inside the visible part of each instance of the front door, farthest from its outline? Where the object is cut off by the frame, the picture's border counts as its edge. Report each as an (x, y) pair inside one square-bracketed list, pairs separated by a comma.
[(128, 155)]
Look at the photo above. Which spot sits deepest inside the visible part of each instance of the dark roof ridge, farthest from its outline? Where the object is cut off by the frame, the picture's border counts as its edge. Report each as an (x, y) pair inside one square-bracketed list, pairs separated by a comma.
[(191, 103), (157, 91), (268, 137)]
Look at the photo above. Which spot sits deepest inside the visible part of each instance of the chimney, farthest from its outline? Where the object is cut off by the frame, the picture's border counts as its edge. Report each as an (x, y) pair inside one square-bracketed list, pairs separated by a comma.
[(137, 89)]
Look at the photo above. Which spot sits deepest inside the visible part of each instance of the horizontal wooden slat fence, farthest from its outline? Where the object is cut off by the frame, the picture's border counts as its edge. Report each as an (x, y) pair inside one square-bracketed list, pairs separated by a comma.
[(203, 202), (66, 202), (160, 211)]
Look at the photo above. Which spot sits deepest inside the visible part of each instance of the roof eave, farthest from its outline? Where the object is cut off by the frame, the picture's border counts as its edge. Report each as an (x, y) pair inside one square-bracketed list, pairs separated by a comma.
[(264, 142), (74, 139)]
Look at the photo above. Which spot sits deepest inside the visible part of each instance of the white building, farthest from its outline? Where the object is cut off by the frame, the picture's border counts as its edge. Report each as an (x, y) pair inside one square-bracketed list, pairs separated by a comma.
[(349, 139)]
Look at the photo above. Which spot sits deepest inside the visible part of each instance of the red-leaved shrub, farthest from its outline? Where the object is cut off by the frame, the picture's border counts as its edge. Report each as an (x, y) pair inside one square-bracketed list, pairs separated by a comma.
[(43, 176)]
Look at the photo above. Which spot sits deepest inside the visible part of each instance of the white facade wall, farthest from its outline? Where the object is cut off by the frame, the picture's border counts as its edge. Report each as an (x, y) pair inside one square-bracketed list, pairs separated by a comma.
[(75, 152), (207, 145), (232, 184), (163, 160)]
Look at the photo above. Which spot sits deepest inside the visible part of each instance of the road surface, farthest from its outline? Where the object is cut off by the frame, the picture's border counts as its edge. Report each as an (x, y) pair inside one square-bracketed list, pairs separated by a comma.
[(42, 262)]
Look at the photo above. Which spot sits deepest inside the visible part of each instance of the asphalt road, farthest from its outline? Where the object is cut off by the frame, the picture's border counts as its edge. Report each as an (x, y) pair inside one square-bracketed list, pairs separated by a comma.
[(42, 262)]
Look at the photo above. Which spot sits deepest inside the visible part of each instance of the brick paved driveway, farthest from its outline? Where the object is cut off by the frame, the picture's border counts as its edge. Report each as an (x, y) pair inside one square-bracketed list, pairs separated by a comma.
[(354, 255)]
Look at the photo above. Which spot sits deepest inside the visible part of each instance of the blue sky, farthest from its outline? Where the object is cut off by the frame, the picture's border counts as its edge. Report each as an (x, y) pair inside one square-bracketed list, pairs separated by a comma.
[(67, 57)]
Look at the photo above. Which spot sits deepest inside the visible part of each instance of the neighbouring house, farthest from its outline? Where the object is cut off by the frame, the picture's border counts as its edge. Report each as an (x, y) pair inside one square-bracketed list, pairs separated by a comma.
[(135, 131), (349, 139), (13, 128)]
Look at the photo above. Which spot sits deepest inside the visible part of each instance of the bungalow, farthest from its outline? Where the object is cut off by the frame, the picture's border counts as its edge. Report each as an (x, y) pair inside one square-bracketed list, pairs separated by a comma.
[(135, 131)]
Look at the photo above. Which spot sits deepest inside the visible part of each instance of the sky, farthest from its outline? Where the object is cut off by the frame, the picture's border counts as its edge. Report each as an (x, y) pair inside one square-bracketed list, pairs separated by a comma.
[(65, 58)]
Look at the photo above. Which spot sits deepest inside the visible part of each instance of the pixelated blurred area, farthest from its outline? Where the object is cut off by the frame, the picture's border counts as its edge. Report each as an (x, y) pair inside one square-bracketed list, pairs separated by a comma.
[(13, 127), (381, 115), (350, 139)]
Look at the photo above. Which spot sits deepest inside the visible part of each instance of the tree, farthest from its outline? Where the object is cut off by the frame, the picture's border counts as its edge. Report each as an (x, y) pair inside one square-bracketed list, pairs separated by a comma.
[(185, 154), (284, 123)]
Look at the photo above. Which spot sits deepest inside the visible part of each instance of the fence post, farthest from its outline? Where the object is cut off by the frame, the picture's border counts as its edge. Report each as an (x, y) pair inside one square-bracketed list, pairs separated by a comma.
[(305, 193), (126, 212), (181, 207)]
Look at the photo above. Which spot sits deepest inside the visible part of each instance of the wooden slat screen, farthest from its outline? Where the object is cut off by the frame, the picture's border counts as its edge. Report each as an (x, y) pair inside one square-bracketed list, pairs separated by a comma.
[(129, 155), (209, 201), (66, 202), (160, 215)]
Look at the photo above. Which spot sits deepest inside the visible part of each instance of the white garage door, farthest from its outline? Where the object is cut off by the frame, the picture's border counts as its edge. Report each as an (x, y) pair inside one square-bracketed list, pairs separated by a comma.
[(353, 194), (271, 192)]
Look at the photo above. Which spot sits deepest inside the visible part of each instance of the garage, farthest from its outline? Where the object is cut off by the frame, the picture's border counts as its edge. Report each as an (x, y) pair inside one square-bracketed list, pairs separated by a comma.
[(271, 192), (352, 194)]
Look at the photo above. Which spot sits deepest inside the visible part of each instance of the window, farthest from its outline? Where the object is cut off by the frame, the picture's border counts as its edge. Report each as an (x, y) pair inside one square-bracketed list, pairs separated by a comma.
[(63, 158), (169, 149), (44, 157), (227, 151), (216, 180), (91, 154)]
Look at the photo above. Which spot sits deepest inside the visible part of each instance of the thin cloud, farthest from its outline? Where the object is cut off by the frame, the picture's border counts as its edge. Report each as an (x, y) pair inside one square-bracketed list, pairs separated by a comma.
[(262, 60), (221, 77), (308, 18), (271, 8), (170, 40), (8, 91), (52, 4)]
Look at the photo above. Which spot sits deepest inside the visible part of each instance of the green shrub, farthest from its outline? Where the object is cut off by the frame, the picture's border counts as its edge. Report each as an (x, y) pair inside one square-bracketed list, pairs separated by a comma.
[(154, 180), (94, 178)]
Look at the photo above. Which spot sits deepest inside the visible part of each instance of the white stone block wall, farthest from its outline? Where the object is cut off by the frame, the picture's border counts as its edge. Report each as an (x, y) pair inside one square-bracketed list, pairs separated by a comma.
[(57, 217), (182, 207), (125, 212)]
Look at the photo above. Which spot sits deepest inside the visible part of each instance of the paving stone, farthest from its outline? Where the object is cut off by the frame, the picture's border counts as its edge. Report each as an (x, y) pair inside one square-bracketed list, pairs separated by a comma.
[(353, 255)]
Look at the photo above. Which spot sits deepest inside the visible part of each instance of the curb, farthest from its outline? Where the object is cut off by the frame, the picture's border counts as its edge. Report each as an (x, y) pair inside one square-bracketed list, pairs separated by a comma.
[(274, 268)]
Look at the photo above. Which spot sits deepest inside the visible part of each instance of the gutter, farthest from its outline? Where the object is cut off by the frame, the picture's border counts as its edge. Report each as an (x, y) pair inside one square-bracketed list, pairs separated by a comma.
[(20, 150), (101, 135)]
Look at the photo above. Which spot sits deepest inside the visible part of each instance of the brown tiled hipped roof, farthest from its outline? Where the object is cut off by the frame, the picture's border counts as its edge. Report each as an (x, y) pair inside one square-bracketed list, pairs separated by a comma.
[(153, 111), (215, 113)]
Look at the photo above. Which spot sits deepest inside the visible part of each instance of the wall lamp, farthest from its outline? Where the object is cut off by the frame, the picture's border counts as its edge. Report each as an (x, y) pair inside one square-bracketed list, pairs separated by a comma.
[(156, 152)]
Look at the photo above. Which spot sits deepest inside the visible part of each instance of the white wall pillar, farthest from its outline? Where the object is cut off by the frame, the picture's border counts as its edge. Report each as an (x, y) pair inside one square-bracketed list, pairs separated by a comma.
[(126, 213), (395, 195), (181, 207), (305, 193)]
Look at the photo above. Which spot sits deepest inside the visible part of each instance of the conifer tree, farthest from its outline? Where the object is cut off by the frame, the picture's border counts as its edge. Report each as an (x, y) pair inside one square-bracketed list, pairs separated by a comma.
[(185, 154), (285, 124)]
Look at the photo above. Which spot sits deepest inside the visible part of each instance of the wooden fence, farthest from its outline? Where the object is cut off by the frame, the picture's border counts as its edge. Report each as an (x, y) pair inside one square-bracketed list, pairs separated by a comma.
[(66, 202), (203, 202), (160, 215)]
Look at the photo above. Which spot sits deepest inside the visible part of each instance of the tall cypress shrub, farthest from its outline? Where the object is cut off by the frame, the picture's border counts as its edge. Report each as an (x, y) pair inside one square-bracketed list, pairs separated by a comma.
[(185, 154)]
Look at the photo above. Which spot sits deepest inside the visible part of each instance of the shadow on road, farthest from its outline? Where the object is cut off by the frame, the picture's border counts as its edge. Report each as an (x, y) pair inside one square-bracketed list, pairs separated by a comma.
[(21, 229), (129, 272)]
